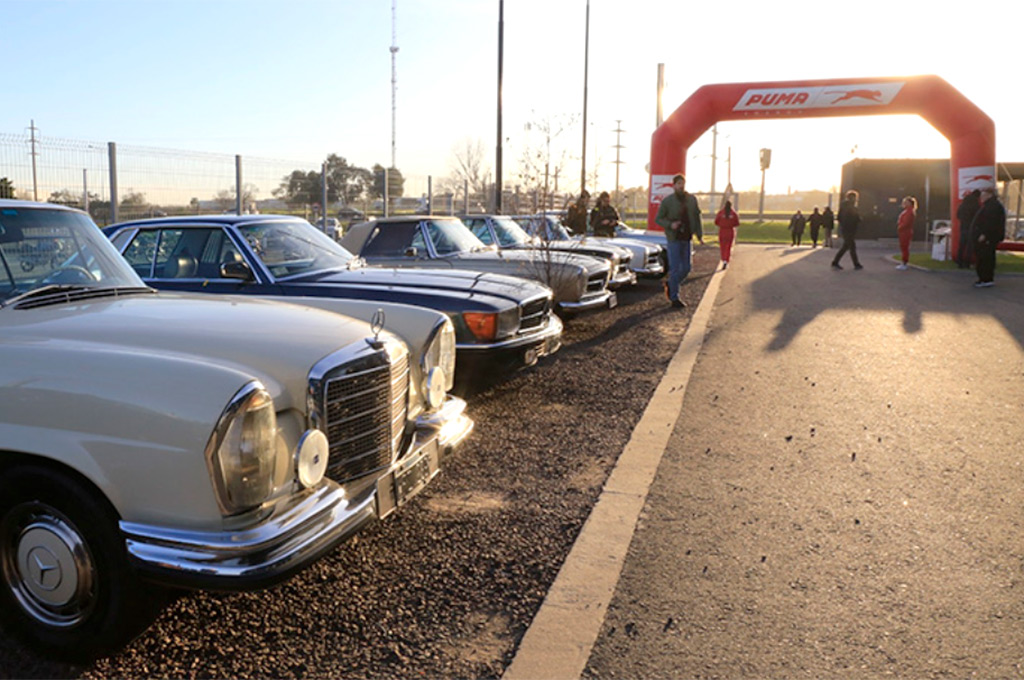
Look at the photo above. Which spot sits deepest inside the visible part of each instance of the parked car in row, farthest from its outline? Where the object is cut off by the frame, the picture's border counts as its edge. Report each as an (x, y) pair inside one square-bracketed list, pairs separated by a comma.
[(501, 322), (505, 233), (649, 256), (152, 439), (331, 227), (579, 282)]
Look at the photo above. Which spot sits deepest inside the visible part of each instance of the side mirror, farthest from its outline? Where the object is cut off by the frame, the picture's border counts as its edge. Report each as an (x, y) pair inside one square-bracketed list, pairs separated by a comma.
[(411, 251), (236, 270)]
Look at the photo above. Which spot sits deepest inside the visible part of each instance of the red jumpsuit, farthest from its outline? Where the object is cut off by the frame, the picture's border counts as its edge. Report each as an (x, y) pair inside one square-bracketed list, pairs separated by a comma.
[(726, 223), (905, 230)]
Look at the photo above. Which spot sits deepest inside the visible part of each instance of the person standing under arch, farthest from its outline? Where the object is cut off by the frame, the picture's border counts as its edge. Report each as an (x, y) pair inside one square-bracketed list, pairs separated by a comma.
[(828, 222), (815, 220), (679, 216), (965, 213), (849, 220), (726, 220), (988, 230), (905, 230)]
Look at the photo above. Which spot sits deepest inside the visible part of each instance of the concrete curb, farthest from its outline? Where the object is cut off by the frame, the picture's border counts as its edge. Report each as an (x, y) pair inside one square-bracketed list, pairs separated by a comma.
[(558, 642)]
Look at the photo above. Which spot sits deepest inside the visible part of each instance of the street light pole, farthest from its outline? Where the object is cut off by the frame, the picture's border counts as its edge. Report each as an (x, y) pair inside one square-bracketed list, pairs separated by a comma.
[(586, 64), (497, 154)]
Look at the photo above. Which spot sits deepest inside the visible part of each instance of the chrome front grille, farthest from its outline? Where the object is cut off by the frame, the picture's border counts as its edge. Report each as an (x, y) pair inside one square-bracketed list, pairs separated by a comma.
[(534, 314), (597, 282), (364, 411)]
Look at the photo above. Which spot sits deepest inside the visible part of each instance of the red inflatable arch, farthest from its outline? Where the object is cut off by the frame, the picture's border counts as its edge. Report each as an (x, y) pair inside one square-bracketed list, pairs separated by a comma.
[(970, 132)]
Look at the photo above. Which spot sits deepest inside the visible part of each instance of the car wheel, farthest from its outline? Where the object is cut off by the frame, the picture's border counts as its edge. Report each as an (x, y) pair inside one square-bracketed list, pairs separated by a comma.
[(67, 587)]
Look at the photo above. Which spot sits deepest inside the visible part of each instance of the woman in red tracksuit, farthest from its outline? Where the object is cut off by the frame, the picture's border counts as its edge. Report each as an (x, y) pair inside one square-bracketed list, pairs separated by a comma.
[(905, 229), (726, 220)]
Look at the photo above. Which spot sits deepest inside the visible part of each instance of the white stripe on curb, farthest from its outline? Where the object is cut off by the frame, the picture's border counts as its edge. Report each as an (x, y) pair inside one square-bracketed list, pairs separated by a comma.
[(558, 642)]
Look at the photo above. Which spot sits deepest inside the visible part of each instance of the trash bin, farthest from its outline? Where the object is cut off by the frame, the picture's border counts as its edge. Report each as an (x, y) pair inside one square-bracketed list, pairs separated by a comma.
[(940, 243)]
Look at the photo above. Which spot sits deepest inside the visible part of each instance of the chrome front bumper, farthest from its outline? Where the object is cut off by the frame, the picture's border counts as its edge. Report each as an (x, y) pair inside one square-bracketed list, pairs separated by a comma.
[(605, 298), (301, 529)]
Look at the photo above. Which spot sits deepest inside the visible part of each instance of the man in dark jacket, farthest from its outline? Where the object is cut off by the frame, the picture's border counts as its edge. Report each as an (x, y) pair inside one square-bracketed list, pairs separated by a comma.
[(965, 213), (814, 221), (604, 216), (828, 223), (849, 220), (988, 230)]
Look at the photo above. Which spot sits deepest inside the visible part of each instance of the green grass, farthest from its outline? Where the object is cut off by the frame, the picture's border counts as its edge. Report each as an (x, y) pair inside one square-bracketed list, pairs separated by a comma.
[(1006, 262)]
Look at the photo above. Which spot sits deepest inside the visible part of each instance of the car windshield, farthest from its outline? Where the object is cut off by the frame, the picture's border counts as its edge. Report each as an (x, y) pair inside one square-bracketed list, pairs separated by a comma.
[(43, 247), (509, 233), (451, 236), (294, 248), (556, 230)]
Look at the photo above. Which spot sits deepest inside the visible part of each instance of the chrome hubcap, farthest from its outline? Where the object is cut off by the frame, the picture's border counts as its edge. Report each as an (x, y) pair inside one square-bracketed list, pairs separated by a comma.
[(47, 565)]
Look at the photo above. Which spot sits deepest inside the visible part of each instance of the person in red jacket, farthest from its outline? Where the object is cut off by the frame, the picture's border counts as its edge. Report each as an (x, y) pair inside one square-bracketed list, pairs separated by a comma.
[(726, 220), (905, 229)]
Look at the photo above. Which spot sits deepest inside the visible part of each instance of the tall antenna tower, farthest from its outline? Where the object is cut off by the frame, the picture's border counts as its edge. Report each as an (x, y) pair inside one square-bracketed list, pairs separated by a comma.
[(394, 77)]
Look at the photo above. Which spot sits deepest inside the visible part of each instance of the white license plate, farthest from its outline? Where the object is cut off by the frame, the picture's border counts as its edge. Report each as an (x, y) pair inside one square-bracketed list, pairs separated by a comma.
[(613, 301), (407, 480)]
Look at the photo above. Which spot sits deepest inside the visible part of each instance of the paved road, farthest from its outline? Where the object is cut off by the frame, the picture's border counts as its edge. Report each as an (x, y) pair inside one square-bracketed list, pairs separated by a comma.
[(842, 495)]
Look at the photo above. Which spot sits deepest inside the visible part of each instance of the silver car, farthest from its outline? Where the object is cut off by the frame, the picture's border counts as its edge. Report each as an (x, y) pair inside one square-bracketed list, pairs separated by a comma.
[(579, 282)]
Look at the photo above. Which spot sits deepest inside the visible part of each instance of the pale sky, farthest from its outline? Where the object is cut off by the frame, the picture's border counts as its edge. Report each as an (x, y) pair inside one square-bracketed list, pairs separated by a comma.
[(305, 78)]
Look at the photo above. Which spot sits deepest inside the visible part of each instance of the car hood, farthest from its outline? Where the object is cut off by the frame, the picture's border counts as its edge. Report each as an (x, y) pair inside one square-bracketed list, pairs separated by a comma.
[(227, 334), (519, 257), (461, 286)]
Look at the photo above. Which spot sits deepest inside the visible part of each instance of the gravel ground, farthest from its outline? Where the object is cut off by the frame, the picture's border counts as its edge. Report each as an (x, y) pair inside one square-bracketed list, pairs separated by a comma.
[(447, 586)]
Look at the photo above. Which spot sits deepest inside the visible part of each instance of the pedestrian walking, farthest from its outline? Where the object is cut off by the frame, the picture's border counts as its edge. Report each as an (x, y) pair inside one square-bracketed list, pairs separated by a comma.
[(828, 223), (965, 213), (796, 226), (905, 230), (679, 216), (988, 230), (726, 220), (815, 220), (604, 216), (849, 220)]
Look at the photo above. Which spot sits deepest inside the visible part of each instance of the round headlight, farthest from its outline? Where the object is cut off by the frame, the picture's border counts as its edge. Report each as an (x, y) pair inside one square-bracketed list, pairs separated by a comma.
[(311, 458)]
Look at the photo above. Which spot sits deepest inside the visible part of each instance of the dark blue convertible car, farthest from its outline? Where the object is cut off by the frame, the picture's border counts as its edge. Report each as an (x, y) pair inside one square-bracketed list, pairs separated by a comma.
[(501, 322)]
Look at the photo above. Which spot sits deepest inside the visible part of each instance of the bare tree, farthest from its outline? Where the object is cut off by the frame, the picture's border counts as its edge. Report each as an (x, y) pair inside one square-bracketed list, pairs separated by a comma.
[(467, 166), (539, 170)]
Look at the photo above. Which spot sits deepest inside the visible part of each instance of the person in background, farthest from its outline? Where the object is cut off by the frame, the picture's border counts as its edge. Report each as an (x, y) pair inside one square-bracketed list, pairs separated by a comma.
[(726, 220), (849, 220), (815, 220), (828, 223), (796, 225), (965, 213), (905, 230), (679, 216), (604, 216), (576, 217), (988, 230)]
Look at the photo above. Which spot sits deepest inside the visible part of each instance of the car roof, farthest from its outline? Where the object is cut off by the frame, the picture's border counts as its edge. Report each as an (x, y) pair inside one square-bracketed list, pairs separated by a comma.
[(17, 203), (206, 219)]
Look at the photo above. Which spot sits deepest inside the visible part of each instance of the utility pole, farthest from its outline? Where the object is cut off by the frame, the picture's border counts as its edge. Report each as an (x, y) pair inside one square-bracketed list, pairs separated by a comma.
[(394, 80), (34, 153), (714, 154), (766, 161), (497, 153), (586, 64), (618, 162)]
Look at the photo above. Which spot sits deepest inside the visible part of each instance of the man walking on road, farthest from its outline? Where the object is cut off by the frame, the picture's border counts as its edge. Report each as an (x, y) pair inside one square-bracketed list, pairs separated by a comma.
[(679, 216), (849, 220)]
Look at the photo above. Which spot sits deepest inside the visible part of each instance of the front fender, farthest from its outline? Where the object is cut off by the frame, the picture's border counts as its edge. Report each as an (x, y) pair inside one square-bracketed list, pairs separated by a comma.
[(135, 424)]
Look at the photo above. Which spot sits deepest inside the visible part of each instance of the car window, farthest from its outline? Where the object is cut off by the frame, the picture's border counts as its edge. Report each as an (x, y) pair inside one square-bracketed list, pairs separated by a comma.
[(141, 252), (393, 239), (40, 246), (291, 248), (178, 253), (480, 230), (451, 236), (509, 232)]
